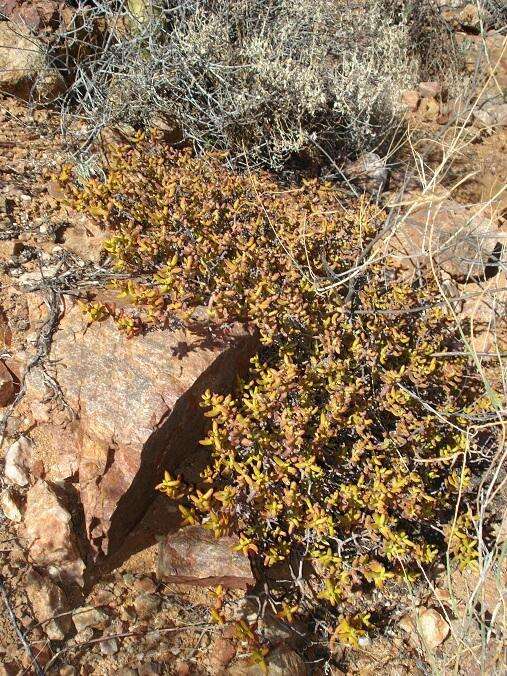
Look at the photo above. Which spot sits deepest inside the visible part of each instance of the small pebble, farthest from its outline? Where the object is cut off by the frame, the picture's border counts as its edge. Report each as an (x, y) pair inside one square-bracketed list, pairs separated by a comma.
[(67, 670), (84, 635), (145, 584), (146, 604), (109, 647)]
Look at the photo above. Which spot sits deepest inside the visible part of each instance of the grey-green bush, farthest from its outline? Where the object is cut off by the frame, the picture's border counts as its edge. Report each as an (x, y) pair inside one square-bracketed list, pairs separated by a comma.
[(265, 80)]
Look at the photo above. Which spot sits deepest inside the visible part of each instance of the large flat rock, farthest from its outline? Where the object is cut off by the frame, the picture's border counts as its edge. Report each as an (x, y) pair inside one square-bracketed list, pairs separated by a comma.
[(138, 410)]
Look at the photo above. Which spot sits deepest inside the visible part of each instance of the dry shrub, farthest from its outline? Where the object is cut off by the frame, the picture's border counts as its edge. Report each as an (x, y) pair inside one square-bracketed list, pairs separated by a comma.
[(346, 456), (265, 80), (493, 13), (273, 79)]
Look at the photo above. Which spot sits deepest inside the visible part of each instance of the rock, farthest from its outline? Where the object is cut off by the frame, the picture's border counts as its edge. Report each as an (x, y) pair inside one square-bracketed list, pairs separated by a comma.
[(489, 50), (491, 115), (104, 597), (109, 647), (9, 669), (47, 601), (89, 617), (193, 555), (410, 99), (500, 113), (430, 89), (17, 459), (469, 15), (33, 15), (49, 84), (145, 584), (29, 281), (432, 627), (364, 641), (279, 662), (474, 17), (21, 59), (270, 627), (127, 614), (428, 625), (501, 532), (67, 670), (369, 172), (5, 330), (482, 313), (84, 635), (407, 623), (464, 244), (488, 587), (168, 128), (6, 385), (149, 669), (222, 653), (84, 238), (460, 14), (10, 248), (182, 669), (443, 596), (122, 448), (146, 605), (482, 118), (429, 109), (495, 44), (50, 539), (9, 504), (65, 468)]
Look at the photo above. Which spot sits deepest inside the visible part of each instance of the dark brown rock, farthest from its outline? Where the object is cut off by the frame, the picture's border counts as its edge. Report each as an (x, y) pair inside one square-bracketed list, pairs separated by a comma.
[(193, 555), (144, 585), (149, 669), (182, 669), (138, 410), (5, 331), (6, 385)]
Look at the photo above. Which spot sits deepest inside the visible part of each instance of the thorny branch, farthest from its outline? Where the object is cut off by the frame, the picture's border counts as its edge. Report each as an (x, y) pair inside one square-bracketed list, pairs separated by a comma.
[(12, 617), (126, 634), (44, 338)]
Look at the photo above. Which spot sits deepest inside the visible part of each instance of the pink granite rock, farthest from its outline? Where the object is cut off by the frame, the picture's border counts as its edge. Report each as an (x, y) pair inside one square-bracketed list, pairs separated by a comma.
[(138, 409), (50, 535), (193, 555)]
